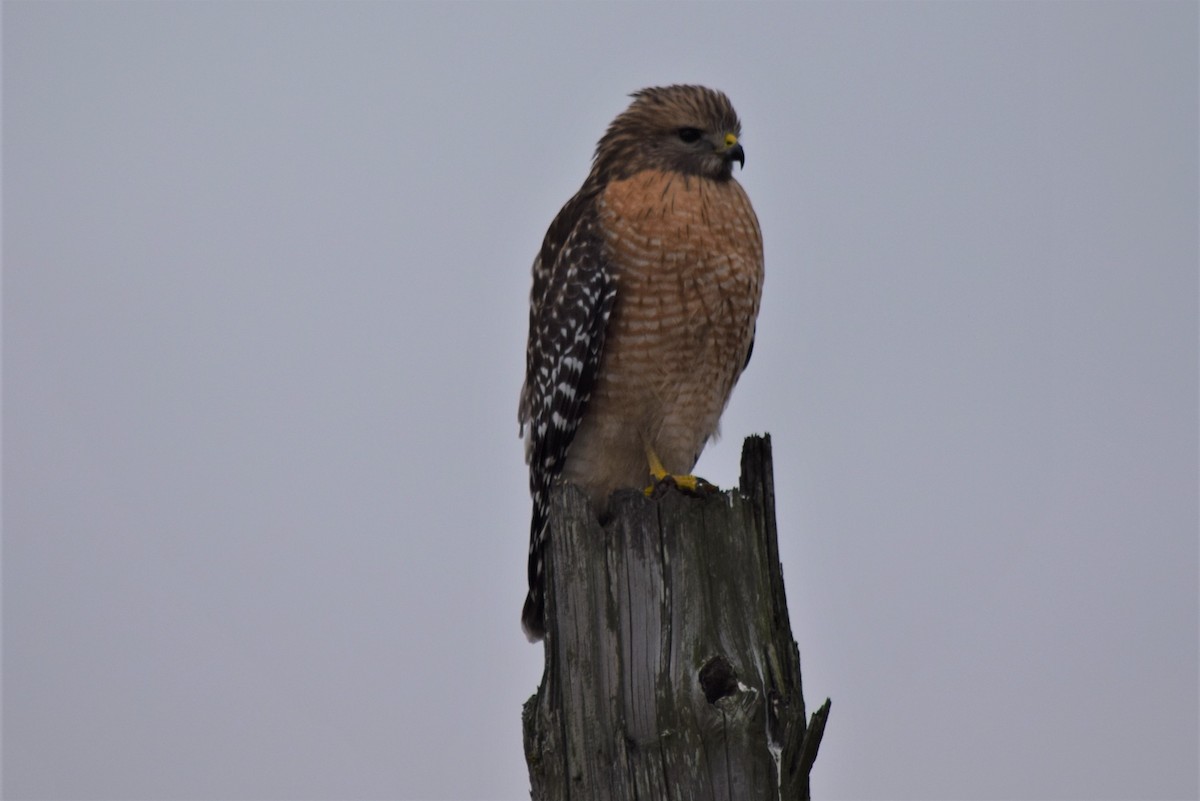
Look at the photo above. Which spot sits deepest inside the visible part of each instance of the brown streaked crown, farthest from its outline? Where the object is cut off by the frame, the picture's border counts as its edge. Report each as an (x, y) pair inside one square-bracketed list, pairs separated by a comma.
[(682, 128)]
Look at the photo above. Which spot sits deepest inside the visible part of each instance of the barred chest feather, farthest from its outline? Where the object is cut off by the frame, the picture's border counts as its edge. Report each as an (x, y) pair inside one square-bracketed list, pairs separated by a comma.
[(687, 257)]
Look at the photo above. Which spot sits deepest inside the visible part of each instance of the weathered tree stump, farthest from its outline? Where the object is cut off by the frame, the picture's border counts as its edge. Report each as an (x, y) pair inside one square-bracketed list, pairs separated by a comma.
[(671, 672)]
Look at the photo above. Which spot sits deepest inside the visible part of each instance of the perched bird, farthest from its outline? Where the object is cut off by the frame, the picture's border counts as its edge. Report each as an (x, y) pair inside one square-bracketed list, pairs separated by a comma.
[(642, 314)]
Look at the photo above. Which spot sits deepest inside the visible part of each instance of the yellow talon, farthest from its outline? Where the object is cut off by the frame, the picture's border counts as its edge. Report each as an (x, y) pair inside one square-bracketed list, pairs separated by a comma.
[(687, 483), (656, 467)]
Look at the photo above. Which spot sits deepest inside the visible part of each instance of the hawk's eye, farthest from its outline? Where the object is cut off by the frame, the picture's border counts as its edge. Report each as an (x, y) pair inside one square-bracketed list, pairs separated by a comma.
[(689, 135)]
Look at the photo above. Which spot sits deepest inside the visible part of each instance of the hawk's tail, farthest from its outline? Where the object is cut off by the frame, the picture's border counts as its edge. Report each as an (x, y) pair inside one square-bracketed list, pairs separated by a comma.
[(533, 615)]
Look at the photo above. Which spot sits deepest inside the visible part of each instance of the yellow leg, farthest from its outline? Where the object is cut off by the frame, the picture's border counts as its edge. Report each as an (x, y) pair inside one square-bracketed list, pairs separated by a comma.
[(688, 483)]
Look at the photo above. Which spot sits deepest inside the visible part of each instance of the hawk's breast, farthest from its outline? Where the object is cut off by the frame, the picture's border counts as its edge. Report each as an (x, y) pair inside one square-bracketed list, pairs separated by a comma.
[(687, 255)]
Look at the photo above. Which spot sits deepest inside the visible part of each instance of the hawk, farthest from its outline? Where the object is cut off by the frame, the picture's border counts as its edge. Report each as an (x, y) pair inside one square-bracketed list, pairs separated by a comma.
[(642, 314)]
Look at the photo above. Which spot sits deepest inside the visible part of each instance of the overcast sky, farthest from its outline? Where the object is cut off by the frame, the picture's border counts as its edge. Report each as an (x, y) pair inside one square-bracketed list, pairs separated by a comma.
[(265, 286)]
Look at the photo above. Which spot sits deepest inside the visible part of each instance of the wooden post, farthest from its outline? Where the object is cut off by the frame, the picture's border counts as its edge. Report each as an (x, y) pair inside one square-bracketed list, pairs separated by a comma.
[(671, 672)]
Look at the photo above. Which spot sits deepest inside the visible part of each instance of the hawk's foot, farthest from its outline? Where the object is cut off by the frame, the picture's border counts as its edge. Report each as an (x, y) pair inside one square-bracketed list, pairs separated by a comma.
[(689, 484)]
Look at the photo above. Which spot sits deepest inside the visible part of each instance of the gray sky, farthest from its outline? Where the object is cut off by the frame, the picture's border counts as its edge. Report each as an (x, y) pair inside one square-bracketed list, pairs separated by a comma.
[(264, 302)]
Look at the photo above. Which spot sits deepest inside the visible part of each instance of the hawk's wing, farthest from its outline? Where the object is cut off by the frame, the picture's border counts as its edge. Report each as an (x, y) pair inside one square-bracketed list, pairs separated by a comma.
[(573, 295)]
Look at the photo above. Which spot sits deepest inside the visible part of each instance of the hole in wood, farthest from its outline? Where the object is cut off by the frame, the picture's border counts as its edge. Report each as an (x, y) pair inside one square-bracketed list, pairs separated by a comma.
[(718, 679)]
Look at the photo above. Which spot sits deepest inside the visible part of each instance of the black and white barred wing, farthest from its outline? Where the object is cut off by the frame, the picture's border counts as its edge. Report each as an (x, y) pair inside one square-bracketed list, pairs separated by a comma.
[(573, 298)]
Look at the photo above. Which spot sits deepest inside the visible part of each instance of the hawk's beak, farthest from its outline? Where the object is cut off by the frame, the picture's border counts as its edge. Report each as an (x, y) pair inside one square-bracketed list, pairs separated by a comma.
[(736, 153), (733, 151)]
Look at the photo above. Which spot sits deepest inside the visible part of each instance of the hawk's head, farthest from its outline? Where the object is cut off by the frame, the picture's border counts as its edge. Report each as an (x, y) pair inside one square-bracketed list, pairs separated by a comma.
[(684, 128)]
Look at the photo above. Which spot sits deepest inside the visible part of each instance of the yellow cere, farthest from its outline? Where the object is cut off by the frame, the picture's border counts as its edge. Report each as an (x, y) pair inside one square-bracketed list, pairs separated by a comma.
[(730, 140)]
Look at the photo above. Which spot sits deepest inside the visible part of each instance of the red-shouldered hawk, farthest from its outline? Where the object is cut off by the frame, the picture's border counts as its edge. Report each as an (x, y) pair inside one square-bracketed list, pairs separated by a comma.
[(641, 318)]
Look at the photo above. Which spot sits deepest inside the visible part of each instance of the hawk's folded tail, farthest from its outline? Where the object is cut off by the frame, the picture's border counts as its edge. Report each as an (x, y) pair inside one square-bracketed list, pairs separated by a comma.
[(533, 615)]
